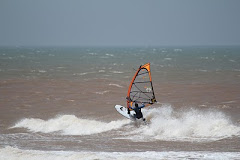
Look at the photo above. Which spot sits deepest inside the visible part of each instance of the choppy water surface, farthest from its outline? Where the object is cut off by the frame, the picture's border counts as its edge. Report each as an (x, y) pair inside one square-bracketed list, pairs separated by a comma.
[(58, 103)]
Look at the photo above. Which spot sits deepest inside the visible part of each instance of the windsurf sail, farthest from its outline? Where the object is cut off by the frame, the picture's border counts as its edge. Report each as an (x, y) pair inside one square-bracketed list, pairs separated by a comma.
[(141, 89)]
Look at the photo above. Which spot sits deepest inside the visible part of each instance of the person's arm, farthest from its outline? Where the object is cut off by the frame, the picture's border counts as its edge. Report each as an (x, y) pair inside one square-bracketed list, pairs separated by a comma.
[(143, 105), (130, 107)]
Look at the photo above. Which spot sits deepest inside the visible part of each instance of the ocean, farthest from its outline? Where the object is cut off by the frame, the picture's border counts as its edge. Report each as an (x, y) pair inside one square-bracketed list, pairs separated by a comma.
[(58, 103)]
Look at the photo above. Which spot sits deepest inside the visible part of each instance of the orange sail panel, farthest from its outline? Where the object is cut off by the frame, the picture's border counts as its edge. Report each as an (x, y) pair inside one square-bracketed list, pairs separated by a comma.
[(141, 89)]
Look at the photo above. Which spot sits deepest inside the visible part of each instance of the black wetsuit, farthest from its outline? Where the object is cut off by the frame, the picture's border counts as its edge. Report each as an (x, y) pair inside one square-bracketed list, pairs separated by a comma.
[(138, 111)]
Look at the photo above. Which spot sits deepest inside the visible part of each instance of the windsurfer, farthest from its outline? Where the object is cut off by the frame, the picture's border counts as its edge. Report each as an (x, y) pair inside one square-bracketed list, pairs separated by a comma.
[(138, 113)]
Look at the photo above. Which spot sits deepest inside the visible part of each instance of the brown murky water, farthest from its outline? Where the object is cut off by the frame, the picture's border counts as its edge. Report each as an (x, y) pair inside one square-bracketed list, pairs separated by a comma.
[(193, 117)]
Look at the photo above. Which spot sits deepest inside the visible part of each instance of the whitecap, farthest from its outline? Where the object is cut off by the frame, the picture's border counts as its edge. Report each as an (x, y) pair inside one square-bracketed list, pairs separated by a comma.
[(186, 125), (117, 85), (231, 60), (81, 74), (168, 59), (204, 57), (202, 70), (92, 53), (101, 71), (61, 67), (42, 71), (117, 72), (177, 50), (102, 92), (111, 55), (69, 125)]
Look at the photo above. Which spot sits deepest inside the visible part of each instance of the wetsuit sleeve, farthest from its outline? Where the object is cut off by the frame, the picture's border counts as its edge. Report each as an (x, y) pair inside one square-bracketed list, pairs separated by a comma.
[(142, 106)]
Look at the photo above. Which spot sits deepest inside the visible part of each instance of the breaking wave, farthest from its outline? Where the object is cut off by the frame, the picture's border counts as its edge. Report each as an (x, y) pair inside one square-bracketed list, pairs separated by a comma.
[(185, 125), (165, 123), (69, 125)]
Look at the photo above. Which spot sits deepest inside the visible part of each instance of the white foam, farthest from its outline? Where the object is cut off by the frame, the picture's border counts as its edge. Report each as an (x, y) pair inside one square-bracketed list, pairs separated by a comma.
[(42, 71), (101, 71), (177, 50), (202, 70), (111, 55), (84, 73), (231, 60), (204, 57), (168, 59), (69, 125), (117, 85), (92, 53), (102, 92), (61, 67), (14, 153), (117, 72), (190, 125)]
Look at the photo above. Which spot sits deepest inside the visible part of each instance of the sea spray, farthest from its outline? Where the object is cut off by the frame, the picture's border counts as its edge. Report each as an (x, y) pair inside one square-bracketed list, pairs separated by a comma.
[(167, 123), (69, 125)]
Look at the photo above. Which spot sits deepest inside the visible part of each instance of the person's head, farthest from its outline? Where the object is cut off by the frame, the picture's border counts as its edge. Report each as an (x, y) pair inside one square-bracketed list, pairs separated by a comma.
[(136, 105)]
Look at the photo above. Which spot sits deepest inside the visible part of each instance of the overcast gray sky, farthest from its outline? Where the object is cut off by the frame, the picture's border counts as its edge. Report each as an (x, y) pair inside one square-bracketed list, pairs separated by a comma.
[(119, 22)]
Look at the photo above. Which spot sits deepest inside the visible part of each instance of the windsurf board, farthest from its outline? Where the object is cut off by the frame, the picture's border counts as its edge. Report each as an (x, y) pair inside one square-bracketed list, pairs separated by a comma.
[(124, 112)]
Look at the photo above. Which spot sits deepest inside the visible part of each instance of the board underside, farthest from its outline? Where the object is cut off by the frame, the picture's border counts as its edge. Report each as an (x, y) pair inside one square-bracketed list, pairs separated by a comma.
[(124, 112)]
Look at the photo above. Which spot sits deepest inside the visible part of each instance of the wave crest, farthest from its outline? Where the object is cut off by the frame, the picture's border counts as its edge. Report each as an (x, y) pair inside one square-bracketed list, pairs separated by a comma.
[(69, 125), (185, 125)]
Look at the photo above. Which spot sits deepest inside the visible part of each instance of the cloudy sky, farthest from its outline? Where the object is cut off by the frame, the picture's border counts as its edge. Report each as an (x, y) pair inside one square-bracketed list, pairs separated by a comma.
[(119, 22)]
